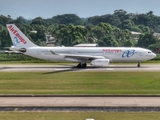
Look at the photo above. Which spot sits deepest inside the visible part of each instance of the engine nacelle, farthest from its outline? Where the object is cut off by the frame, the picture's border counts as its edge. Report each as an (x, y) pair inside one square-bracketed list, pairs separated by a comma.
[(100, 62)]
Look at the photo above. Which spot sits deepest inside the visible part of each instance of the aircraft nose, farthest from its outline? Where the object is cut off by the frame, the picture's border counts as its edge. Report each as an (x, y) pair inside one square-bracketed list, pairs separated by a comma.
[(154, 55)]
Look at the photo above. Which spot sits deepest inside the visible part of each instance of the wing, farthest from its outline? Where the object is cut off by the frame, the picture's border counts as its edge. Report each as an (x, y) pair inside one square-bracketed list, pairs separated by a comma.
[(79, 57)]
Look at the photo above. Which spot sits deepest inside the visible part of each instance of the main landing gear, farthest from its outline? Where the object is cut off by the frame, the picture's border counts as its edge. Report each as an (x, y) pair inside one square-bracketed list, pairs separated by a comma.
[(81, 65), (139, 64)]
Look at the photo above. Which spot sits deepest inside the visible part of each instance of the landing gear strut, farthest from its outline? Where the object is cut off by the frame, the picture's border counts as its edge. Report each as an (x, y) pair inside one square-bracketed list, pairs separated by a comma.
[(81, 65), (139, 64)]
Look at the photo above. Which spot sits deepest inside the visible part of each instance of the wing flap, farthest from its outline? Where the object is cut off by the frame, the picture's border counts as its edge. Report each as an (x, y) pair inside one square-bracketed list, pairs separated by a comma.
[(79, 57), (86, 57)]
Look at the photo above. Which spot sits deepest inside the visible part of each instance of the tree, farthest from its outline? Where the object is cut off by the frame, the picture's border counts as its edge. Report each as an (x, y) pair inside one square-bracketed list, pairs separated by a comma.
[(150, 13), (98, 32), (154, 47), (106, 27), (40, 36), (122, 36), (67, 19), (94, 20), (4, 20), (5, 40), (108, 41), (128, 43), (90, 35), (122, 14), (148, 19), (70, 35), (144, 29), (101, 30), (108, 18), (146, 39), (38, 21), (23, 20), (127, 24)]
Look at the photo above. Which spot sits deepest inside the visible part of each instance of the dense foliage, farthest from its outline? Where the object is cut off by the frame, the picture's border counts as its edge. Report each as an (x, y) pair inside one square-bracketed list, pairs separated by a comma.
[(106, 30)]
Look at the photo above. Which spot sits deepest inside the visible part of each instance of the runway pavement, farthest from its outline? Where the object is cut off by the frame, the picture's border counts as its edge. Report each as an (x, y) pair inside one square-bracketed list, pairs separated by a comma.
[(80, 101), (53, 68)]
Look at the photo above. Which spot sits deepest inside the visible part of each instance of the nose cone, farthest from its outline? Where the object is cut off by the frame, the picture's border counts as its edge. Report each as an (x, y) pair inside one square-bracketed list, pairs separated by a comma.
[(154, 55)]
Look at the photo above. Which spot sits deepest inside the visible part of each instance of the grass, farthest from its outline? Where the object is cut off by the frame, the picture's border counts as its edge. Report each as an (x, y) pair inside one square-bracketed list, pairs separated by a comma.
[(79, 115), (80, 83), (32, 62)]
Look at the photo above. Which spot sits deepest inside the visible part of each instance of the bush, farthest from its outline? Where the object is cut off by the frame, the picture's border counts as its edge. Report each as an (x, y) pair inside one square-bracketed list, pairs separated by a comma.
[(18, 57)]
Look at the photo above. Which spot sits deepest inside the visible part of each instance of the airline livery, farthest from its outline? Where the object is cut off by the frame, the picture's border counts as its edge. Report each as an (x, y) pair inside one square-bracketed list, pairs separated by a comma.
[(96, 56)]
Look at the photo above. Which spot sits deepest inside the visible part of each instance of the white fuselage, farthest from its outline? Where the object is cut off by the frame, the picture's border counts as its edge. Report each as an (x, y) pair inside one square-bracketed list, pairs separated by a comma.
[(114, 54)]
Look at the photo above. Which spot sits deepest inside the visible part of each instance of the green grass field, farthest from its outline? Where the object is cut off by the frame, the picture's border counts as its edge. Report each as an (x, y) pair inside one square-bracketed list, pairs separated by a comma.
[(80, 83), (79, 115)]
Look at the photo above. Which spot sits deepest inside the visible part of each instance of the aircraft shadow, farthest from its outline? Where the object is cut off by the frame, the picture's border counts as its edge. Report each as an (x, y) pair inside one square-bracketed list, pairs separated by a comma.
[(74, 68), (59, 69), (65, 70)]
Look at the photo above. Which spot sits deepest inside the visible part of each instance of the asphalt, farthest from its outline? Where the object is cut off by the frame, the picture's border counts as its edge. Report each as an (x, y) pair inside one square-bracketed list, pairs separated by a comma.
[(81, 101), (108, 104), (62, 68)]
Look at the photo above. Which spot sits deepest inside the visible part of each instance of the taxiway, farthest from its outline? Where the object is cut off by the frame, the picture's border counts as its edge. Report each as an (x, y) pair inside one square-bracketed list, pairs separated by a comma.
[(80, 101)]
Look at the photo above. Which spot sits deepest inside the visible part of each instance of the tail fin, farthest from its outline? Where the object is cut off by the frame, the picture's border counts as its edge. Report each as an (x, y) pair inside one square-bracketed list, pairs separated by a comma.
[(18, 38)]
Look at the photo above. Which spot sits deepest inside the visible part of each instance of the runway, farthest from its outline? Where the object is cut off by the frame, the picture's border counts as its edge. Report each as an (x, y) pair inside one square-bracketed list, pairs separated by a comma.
[(52, 68), (108, 104)]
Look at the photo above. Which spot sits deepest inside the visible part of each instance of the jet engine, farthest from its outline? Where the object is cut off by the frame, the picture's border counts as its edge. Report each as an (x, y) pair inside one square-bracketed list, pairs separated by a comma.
[(100, 62)]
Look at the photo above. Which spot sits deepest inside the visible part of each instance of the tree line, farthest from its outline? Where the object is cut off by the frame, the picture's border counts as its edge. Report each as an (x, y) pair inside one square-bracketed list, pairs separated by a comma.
[(106, 30)]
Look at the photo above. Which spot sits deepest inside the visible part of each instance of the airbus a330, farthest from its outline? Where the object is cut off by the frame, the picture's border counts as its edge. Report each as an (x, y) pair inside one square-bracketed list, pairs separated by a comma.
[(96, 56)]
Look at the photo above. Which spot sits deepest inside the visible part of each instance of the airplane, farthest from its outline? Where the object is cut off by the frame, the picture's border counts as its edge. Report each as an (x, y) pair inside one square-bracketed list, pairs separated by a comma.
[(96, 56)]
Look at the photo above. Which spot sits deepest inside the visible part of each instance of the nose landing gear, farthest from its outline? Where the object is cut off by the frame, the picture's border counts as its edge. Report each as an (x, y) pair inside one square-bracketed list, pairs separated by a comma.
[(139, 64)]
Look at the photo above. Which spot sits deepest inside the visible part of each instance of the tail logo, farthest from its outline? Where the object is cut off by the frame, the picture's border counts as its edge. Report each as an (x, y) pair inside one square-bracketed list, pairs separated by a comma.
[(18, 37), (16, 41)]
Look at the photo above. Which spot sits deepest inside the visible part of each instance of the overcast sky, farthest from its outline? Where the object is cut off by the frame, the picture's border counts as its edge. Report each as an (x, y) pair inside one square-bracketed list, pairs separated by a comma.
[(83, 8)]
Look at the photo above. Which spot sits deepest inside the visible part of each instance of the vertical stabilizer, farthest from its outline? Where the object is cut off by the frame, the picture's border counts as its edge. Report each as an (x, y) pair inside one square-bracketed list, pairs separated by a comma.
[(18, 38)]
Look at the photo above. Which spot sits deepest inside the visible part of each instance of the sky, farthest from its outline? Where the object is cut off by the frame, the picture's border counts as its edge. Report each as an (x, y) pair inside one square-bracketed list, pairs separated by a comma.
[(31, 9)]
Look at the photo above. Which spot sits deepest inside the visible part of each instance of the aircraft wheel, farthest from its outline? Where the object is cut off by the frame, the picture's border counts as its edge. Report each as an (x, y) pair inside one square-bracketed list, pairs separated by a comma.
[(79, 65), (84, 65), (139, 64)]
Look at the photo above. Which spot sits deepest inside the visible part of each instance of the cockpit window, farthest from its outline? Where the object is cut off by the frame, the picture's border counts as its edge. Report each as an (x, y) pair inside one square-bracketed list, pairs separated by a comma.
[(149, 51)]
